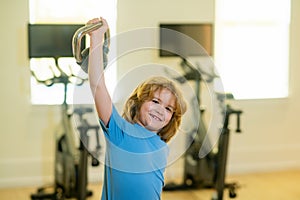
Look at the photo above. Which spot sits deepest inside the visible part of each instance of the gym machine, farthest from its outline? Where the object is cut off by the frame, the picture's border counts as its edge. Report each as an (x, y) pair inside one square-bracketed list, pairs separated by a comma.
[(209, 171), (71, 159)]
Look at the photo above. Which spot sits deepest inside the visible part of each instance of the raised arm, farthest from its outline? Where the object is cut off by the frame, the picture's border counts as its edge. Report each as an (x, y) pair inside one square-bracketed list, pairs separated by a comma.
[(96, 72)]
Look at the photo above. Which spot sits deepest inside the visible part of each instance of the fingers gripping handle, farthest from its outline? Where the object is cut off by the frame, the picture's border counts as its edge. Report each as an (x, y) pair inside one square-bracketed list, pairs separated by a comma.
[(81, 57), (77, 37)]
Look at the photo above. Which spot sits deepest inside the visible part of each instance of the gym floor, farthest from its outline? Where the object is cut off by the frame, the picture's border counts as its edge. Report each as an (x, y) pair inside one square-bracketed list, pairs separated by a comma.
[(280, 185)]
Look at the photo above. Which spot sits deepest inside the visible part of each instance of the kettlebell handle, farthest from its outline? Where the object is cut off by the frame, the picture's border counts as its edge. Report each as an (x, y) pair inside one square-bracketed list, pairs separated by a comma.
[(78, 35)]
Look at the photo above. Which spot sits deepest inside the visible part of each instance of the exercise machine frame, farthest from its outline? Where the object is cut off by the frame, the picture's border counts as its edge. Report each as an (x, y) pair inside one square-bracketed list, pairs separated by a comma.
[(210, 171), (71, 161)]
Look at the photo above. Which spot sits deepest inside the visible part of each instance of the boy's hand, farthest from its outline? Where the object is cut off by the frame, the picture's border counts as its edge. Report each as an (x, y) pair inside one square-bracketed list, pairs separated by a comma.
[(100, 31)]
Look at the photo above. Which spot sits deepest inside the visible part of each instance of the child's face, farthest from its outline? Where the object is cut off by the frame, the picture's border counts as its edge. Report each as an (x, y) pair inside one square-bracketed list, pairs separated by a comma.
[(157, 113)]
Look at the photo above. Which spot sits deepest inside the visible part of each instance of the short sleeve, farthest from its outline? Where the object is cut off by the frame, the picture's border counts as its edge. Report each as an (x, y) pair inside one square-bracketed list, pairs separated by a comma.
[(112, 131)]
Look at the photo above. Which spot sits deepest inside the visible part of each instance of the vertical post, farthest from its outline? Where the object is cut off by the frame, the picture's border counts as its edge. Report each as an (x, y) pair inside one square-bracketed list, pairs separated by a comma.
[(222, 155), (82, 176), (222, 162)]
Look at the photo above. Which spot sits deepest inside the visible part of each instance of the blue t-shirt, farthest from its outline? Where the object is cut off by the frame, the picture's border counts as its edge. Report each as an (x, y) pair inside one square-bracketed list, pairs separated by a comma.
[(134, 162)]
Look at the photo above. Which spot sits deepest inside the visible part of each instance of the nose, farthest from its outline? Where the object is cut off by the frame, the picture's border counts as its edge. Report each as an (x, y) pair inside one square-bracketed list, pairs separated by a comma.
[(159, 109)]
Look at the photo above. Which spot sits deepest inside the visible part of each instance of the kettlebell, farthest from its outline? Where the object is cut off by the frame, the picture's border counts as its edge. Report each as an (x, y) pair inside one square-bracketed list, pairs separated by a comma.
[(81, 57)]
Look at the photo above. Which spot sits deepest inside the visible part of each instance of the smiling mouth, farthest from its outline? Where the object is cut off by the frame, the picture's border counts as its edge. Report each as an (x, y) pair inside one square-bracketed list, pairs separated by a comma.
[(155, 117)]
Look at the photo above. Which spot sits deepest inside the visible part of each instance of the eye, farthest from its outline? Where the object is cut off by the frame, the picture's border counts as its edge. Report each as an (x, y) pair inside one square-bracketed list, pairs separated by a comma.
[(155, 101), (169, 109)]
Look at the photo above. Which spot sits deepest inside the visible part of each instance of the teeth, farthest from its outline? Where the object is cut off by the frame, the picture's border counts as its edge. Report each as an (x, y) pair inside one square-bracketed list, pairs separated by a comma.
[(155, 117)]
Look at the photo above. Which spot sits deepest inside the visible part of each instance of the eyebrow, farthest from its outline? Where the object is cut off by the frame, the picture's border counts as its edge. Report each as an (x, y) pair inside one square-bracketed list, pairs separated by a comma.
[(161, 101)]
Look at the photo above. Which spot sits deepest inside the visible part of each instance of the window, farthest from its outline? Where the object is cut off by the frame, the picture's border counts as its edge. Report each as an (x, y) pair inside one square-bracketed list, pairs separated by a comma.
[(252, 47), (67, 12)]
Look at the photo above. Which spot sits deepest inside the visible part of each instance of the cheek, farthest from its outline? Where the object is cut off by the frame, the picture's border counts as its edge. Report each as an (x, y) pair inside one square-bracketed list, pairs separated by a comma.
[(168, 117), (146, 107), (144, 110)]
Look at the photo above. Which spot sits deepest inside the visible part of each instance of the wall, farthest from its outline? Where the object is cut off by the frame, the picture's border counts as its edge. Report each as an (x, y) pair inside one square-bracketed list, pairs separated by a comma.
[(138, 14), (26, 131), (270, 139)]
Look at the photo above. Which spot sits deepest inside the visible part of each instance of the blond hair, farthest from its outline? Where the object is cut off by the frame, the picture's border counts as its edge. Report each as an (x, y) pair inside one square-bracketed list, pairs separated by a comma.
[(145, 92)]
